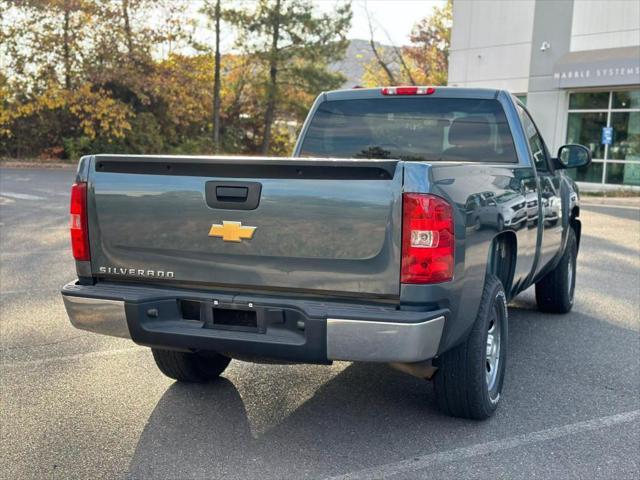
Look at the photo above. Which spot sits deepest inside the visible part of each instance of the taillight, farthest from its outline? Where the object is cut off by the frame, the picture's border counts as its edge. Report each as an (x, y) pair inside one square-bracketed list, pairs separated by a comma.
[(427, 239), (408, 90), (78, 222)]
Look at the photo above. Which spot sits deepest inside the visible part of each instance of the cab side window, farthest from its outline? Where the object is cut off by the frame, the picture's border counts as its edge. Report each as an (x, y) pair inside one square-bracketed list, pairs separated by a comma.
[(536, 144)]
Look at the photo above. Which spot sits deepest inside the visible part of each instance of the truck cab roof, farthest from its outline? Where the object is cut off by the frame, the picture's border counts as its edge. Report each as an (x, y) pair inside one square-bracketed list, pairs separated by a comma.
[(439, 92)]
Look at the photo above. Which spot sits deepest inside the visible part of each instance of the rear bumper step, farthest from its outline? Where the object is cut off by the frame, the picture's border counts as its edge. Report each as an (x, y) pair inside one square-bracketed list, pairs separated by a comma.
[(271, 327)]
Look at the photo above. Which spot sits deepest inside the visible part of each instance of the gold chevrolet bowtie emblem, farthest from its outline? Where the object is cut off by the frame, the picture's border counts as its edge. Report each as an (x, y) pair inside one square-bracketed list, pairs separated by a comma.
[(231, 231)]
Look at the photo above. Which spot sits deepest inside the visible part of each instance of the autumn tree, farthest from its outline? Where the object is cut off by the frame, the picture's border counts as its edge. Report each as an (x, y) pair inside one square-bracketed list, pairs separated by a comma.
[(77, 73), (46, 45), (423, 62), (112, 76), (428, 52), (295, 45)]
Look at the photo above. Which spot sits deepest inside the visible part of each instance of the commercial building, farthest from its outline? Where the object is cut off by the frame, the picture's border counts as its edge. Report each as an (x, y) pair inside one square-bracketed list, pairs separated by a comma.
[(576, 65)]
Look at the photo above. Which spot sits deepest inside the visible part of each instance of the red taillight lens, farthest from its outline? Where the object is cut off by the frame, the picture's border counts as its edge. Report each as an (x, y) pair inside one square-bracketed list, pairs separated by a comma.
[(78, 222), (427, 239), (408, 90)]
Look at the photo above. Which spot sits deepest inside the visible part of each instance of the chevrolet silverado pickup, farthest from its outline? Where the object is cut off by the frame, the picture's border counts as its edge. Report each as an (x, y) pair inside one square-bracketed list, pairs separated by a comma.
[(404, 222)]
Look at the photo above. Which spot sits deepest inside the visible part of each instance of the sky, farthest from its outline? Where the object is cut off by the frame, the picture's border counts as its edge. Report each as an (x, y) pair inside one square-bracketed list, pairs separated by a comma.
[(397, 17)]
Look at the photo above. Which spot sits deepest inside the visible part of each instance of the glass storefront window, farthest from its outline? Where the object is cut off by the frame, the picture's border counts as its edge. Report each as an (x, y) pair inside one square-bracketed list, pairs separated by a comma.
[(585, 128), (591, 173), (626, 136), (623, 173), (630, 99), (589, 101), (589, 114)]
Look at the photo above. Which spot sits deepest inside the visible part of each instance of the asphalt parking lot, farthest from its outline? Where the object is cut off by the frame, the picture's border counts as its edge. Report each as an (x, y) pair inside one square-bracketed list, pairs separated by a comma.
[(78, 405)]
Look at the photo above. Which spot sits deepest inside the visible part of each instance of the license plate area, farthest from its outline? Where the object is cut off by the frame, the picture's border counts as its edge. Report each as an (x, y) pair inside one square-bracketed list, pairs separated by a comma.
[(234, 319), (231, 316)]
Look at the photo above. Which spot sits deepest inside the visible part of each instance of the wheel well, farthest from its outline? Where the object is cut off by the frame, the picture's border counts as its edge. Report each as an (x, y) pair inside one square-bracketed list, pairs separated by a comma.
[(502, 259), (576, 224)]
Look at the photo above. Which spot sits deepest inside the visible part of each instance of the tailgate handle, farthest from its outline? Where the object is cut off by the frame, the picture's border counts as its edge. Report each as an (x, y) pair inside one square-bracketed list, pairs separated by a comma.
[(233, 195)]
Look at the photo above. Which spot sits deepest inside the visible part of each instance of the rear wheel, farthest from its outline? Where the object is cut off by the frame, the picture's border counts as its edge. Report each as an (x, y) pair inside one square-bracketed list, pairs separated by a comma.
[(469, 379), (190, 367), (555, 291)]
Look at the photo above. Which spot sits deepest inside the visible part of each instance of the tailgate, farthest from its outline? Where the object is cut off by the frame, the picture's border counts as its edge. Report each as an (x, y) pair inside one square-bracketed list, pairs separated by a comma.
[(258, 223)]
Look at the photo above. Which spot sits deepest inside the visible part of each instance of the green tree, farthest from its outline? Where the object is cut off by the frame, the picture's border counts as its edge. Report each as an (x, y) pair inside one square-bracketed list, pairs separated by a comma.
[(45, 41), (295, 45), (214, 12)]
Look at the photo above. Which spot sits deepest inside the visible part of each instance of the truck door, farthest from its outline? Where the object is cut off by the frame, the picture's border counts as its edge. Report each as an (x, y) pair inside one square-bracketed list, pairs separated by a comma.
[(549, 199)]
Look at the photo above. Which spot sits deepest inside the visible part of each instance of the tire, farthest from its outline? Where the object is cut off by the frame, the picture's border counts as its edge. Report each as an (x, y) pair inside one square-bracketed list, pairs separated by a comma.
[(555, 291), (464, 386), (190, 367), (500, 223)]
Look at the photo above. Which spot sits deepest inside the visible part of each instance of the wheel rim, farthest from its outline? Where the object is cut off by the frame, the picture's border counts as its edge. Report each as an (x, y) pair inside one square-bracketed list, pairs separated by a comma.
[(492, 359)]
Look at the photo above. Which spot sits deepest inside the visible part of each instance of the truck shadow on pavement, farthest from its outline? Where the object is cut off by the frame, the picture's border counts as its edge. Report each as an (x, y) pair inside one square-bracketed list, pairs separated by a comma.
[(205, 430), (561, 369)]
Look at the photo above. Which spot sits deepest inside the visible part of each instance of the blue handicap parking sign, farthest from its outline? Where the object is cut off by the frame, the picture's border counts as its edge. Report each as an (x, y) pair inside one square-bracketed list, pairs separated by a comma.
[(607, 135)]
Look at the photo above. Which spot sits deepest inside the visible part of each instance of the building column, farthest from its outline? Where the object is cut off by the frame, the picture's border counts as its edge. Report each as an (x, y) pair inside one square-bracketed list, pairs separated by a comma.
[(551, 40)]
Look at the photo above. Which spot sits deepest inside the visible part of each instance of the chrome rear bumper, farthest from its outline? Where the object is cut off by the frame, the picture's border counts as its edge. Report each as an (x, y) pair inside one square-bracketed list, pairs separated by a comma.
[(97, 315), (372, 341), (307, 332)]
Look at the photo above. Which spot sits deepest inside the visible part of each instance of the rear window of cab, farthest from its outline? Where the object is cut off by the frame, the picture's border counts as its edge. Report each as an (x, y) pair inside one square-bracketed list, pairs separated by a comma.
[(411, 128)]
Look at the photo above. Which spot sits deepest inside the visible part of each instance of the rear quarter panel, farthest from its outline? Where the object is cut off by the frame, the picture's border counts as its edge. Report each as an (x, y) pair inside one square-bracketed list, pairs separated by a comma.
[(460, 184)]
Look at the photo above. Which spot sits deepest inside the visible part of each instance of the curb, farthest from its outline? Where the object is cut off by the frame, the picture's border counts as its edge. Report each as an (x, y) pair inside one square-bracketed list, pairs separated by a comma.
[(611, 201), (27, 165)]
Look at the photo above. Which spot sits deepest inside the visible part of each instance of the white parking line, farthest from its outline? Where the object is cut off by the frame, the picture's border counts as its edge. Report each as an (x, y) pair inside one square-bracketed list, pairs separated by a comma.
[(21, 196), (419, 463)]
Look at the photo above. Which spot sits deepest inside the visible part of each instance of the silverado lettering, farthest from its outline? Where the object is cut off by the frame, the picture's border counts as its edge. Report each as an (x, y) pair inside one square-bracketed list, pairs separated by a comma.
[(135, 271)]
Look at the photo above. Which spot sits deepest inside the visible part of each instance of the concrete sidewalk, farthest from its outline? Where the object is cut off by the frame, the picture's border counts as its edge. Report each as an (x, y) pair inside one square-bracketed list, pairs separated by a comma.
[(611, 201)]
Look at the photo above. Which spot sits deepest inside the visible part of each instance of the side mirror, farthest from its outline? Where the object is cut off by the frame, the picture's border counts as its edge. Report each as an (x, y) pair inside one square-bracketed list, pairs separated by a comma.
[(573, 156)]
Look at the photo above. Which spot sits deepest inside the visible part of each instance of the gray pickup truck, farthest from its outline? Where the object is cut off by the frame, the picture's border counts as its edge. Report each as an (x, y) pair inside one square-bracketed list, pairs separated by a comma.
[(404, 222)]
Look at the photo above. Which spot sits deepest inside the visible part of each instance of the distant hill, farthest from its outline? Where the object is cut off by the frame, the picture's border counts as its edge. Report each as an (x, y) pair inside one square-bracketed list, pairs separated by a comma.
[(357, 56)]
